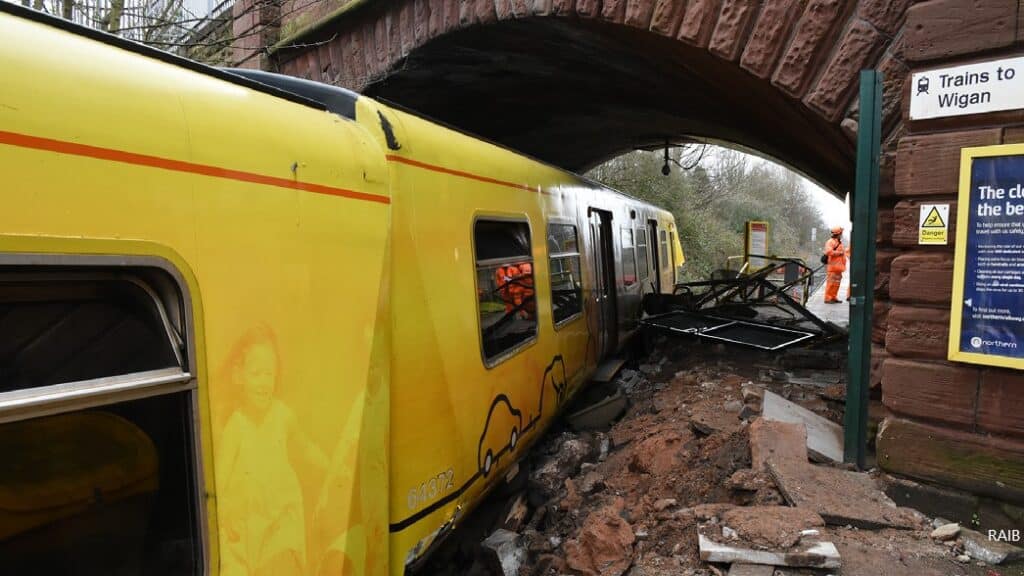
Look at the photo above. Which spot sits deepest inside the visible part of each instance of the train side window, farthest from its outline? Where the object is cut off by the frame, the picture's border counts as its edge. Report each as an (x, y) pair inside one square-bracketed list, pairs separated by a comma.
[(505, 288), (99, 473), (664, 249), (566, 287), (641, 254), (628, 257)]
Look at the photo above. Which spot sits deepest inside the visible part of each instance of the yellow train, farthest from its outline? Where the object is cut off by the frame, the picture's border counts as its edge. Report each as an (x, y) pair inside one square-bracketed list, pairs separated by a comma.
[(254, 325)]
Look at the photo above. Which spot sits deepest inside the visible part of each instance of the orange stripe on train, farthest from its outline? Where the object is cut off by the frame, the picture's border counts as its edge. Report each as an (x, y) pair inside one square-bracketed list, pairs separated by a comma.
[(462, 174), (110, 154)]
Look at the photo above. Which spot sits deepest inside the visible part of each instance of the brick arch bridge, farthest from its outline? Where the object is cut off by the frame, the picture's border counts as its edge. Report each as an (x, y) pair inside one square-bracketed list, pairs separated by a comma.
[(576, 81)]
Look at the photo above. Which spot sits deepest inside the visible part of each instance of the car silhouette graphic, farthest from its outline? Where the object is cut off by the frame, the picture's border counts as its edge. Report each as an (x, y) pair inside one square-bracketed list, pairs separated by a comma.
[(500, 435), (554, 379)]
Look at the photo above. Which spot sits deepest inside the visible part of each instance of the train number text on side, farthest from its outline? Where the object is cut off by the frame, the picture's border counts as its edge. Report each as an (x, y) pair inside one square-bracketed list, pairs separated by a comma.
[(431, 489)]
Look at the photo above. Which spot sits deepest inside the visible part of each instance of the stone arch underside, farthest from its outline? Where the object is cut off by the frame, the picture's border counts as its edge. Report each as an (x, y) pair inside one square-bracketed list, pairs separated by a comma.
[(575, 83)]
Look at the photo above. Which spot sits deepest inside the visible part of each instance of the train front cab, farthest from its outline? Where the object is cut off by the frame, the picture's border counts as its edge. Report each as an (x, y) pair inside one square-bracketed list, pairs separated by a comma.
[(194, 331)]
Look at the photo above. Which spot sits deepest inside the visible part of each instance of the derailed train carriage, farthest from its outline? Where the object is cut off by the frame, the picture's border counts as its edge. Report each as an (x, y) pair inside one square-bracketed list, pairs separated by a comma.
[(256, 325)]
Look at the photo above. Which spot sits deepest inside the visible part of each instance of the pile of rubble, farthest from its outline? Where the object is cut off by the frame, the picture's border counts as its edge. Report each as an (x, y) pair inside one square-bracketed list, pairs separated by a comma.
[(711, 471)]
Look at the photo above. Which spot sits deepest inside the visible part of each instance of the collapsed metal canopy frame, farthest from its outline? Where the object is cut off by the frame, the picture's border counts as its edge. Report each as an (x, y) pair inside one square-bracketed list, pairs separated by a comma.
[(757, 288), (742, 332)]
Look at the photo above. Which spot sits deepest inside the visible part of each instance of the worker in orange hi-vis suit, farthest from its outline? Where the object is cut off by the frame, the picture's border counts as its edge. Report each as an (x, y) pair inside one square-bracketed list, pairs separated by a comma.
[(849, 257), (524, 293), (503, 277), (836, 254)]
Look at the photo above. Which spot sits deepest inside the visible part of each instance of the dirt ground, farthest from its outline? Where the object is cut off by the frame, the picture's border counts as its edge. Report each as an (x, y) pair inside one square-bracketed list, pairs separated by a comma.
[(627, 500)]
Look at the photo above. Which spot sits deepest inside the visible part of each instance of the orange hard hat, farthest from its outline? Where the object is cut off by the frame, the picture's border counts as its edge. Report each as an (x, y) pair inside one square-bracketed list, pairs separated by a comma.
[(837, 229)]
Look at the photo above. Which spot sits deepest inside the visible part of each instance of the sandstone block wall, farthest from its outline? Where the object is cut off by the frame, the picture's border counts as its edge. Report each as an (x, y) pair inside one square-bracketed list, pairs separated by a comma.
[(953, 424)]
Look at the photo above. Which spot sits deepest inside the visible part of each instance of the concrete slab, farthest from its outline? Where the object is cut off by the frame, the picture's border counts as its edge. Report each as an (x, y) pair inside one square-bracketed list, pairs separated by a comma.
[(841, 498), (751, 570), (824, 437), (811, 555)]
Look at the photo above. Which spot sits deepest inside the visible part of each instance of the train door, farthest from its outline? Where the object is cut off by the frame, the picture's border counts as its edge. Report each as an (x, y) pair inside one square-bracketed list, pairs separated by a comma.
[(604, 282), (652, 234), (672, 256)]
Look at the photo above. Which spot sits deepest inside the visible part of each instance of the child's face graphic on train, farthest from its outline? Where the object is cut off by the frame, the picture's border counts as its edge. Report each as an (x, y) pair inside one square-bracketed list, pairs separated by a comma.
[(258, 373)]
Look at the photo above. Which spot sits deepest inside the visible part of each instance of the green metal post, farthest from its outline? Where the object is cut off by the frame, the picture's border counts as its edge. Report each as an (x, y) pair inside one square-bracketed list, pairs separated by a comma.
[(862, 273)]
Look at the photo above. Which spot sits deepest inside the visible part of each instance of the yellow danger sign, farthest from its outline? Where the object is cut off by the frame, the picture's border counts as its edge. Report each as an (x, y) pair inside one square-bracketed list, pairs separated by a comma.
[(933, 227)]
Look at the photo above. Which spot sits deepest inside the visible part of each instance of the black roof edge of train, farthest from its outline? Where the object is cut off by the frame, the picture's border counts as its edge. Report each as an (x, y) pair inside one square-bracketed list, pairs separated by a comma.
[(334, 99), (305, 92)]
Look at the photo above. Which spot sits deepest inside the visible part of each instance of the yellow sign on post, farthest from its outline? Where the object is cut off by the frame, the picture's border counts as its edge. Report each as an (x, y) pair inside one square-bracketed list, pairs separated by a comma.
[(756, 245), (933, 226)]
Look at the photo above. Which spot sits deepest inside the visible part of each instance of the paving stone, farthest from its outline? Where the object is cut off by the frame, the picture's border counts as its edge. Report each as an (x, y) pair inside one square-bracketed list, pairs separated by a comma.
[(840, 497), (779, 440), (824, 438)]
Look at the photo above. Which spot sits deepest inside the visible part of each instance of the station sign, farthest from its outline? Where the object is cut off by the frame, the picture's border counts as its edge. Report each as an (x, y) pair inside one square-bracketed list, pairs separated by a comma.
[(933, 224), (969, 89), (987, 310)]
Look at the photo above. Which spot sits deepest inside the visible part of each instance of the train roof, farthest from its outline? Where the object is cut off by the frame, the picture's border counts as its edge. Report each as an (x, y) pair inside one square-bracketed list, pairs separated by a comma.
[(308, 93)]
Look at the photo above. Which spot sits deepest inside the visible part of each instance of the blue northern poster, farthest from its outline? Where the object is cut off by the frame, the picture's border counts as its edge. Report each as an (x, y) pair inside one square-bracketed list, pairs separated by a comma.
[(993, 300)]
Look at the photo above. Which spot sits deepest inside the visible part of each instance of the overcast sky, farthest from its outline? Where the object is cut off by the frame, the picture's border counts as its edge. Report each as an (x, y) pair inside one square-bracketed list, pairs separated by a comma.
[(833, 210)]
